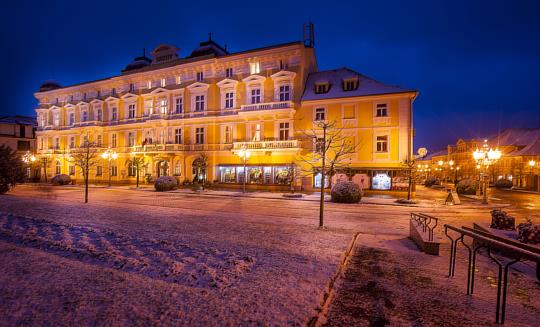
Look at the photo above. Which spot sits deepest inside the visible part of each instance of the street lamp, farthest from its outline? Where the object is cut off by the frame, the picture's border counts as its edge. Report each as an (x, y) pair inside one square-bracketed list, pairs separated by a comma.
[(244, 154), (28, 158), (485, 158), (109, 155)]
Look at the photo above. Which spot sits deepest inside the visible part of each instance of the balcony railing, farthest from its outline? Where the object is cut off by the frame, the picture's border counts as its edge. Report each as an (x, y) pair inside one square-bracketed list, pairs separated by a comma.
[(266, 145), (267, 106)]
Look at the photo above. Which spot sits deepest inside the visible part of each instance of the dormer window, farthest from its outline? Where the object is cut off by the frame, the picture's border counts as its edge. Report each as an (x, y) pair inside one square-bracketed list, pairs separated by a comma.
[(131, 87), (84, 96), (98, 93), (350, 84), (178, 79), (163, 82), (282, 65), (200, 76), (229, 73), (113, 91), (149, 84), (321, 88), (254, 68), (71, 98)]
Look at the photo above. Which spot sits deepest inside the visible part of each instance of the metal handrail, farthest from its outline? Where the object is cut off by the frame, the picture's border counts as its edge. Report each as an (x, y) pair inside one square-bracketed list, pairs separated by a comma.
[(425, 221)]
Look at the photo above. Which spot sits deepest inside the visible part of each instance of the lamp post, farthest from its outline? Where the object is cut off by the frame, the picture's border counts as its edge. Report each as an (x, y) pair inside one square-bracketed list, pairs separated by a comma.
[(29, 158), (244, 154), (45, 162), (109, 155), (532, 163), (485, 158)]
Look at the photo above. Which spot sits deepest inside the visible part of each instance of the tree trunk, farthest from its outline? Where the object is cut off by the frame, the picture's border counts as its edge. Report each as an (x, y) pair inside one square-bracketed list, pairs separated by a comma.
[(323, 166), (137, 177)]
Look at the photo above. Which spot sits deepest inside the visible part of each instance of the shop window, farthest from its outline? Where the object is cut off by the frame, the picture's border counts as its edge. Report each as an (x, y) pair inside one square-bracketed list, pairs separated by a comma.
[(381, 181), (317, 181)]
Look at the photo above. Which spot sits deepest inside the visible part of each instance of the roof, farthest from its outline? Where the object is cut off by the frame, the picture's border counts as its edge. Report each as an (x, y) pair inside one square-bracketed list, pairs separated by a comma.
[(526, 139), (437, 153), (19, 120), (367, 86)]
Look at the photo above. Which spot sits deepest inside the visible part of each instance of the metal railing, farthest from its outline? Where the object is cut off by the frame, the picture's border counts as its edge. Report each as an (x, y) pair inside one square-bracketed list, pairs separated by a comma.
[(426, 222), (267, 106), (483, 240)]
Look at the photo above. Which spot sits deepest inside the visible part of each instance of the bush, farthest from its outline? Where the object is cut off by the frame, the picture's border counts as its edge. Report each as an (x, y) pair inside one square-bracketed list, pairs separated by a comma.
[(501, 220), (529, 233), (346, 192), (467, 186), (432, 181), (165, 183), (503, 183), (61, 179), (11, 169)]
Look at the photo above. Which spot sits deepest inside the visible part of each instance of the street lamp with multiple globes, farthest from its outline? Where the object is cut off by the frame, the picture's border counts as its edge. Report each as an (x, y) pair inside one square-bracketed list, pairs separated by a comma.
[(109, 155), (28, 158), (485, 158), (244, 154)]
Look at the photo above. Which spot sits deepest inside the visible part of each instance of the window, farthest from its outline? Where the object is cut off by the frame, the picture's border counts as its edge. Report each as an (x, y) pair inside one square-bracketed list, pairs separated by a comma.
[(163, 82), (178, 105), (131, 87), (84, 96), (199, 103), (149, 84), (114, 170), (255, 96), (254, 68), (284, 93), (319, 145), (132, 169), (322, 88), (382, 110), (256, 132), (131, 139), (148, 107), (71, 119), (114, 139), (178, 136), (57, 143), (199, 135), (99, 170), (23, 145), (72, 142), (114, 114), (113, 91), (71, 170), (350, 84), (98, 94), (320, 114), (131, 110), (56, 119), (177, 168), (283, 65), (58, 168), (98, 141), (163, 106), (178, 79), (382, 143), (229, 100), (99, 115), (200, 76), (283, 131), (229, 73), (228, 134)]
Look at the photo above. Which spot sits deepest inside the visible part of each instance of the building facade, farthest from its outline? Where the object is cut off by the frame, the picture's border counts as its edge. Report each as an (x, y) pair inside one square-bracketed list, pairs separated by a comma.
[(18, 133), (171, 109)]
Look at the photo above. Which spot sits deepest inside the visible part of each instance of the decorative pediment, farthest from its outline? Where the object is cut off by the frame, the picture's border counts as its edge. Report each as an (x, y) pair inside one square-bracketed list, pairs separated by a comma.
[(159, 90), (96, 101), (198, 86), (69, 106), (128, 96), (227, 83), (283, 75), (254, 79), (55, 107), (111, 99), (82, 103)]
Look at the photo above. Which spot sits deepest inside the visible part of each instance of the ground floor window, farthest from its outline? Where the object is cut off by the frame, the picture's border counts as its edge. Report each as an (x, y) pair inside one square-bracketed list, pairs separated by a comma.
[(177, 169), (114, 171), (381, 181), (132, 169), (71, 170), (317, 179), (99, 170), (264, 175)]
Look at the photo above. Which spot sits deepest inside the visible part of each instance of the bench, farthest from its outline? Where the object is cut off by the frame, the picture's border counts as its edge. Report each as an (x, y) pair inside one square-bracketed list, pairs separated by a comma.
[(421, 232)]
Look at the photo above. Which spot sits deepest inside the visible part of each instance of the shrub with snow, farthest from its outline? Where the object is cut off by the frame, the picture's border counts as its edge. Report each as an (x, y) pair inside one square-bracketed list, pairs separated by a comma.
[(432, 181), (467, 186), (165, 183), (346, 192), (529, 233), (61, 179), (503, 183)]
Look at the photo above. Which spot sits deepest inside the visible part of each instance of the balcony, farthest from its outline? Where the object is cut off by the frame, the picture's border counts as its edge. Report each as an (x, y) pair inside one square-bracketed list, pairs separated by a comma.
[(254, 146), (266, 106)]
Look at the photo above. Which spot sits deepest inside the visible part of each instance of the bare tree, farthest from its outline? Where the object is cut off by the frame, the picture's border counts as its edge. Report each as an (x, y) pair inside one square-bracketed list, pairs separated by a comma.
[(138, 163), (201, 165), (410, 165), (332, 153), (85, 157)]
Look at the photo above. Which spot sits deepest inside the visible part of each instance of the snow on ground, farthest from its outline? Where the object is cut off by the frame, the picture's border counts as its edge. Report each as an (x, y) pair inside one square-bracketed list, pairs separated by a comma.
[(138, 257)]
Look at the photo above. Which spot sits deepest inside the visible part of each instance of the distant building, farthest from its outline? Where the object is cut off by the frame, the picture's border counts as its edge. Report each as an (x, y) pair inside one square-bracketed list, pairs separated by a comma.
[(170, 109), (519, 163), (18, 132)]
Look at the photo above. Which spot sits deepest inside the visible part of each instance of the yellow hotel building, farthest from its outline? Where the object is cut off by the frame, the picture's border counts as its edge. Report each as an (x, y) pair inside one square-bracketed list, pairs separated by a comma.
[(170, 109)]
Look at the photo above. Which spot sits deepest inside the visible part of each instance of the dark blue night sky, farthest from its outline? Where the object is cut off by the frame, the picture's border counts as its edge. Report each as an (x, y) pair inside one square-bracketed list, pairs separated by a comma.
[(476, 64)]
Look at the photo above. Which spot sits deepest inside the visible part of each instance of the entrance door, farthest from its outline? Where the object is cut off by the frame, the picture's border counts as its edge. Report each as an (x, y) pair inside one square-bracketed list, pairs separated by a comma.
[(163, 168)]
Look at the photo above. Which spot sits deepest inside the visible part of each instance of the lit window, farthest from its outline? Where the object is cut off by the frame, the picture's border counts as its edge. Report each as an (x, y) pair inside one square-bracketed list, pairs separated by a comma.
[(56, 118), (99, 170), (114, 140), (382, 110), (178, 136), (149, 84), (178, 105), (131, 139), (284, 93), (228, 134), (163, 106), (229, 100), (72, 142), (319, 145), (114, 114), (200, 76), (254, 68), (283, 131), (229, 73), (320, 114), (148, 107), (131, 110), (57, 143), (199, 135), (58, 168), (178, 79), (382, 143), (199, 103), (114, 170), (163, 82), (177, 168), (71, 170), (98, 141), (255, 96)]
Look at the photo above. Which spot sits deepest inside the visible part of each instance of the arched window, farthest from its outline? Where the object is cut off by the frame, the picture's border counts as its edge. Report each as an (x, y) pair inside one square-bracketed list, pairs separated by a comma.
[(58, 168)]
